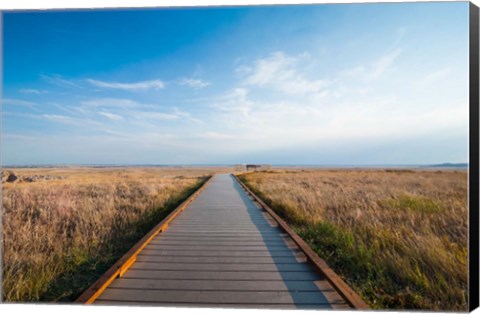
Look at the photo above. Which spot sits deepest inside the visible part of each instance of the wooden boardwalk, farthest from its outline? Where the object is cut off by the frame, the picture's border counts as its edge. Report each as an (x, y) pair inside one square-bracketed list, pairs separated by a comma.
[(222, 250)]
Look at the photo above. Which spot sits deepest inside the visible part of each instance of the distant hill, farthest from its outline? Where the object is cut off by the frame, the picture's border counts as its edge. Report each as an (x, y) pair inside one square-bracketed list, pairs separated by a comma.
[(450, 165)]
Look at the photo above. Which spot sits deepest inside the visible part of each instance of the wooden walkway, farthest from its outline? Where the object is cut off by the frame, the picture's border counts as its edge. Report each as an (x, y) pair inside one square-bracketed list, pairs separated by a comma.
[(222, 250)]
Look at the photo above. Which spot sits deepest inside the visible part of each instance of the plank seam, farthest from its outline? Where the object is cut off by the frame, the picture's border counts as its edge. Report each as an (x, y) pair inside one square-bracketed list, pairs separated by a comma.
[(226, 290), (124, 263), (221, 263), (213, 303), (228, 280), (320, 265)]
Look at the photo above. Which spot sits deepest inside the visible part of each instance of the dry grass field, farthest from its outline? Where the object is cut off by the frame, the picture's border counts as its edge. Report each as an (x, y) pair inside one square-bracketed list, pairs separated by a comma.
[(63, 227), (398, 237)]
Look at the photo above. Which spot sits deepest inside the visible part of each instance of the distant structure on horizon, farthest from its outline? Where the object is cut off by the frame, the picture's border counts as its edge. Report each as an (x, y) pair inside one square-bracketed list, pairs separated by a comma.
[(252, 167)]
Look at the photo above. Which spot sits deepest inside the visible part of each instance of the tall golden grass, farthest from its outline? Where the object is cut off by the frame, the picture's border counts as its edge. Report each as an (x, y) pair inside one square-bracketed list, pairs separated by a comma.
[(61, 235), (399, 238)]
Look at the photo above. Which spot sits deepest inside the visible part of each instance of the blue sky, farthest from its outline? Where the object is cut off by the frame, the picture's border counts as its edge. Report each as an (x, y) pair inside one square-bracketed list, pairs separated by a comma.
[(323, 84)]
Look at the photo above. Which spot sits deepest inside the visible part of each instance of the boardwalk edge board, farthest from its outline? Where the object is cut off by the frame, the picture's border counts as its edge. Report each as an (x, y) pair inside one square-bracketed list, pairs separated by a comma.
[(351, 297), (126, 261)]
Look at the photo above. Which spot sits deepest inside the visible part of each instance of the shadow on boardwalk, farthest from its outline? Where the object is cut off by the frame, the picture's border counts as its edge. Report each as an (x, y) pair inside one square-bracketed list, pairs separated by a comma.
[(297, 275)]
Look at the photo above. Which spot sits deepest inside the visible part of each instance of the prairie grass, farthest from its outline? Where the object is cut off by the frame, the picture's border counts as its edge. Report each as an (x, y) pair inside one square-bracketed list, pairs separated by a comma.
[(399, 238), (61, 235)]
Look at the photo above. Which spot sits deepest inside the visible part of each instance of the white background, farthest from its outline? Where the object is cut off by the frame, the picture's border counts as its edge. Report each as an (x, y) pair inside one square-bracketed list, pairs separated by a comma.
[(52, 4)]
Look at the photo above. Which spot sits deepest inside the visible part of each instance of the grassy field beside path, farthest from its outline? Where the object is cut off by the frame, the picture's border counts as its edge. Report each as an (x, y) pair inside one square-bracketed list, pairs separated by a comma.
[(397, 237), (63, 228)]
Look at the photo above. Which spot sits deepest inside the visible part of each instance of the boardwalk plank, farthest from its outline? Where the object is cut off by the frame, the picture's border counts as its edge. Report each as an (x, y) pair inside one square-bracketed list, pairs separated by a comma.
[(223, 251), (241, 236), (221, 275), (215, 285), (218, 259), (220, 266), (223, 230), (190, 241), (166, 252), (219, 248), (239, 297), (298, 306)]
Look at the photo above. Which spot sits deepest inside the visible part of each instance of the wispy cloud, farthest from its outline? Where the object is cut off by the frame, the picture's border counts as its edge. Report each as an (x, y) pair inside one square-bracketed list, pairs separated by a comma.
[(384, 64), (194, 83), (128, 109), (59, 118), (282, 73), (137, 86), (400, 34), (373, 70), (33, 91), (186, 115), (92, 111), (111, 116), (346, 106), (439, 74), (262, 97), (235, 102), (153, 115), (112, 103), (19, 102), (59, 80), (210, 135), (20, 137)]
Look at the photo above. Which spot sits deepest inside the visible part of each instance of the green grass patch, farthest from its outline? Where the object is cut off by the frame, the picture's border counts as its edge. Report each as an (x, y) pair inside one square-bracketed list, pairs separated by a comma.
[(419, 204)]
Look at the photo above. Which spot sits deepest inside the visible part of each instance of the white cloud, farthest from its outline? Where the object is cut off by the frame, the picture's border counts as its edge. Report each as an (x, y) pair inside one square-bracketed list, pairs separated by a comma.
[(59, 80), (194, 83), (187, 115), (137, 86), (373, 70), (59, 118), (384, 64), (113, 103), (243, 70), (282, 73), (33, 91), (153, 115), (74, 121), (111, 116), (234, 101), (361, 104), (400, 32), (355, 71), (18, 137), (439, 74), (17, 102), (216, 136), (121, 108)]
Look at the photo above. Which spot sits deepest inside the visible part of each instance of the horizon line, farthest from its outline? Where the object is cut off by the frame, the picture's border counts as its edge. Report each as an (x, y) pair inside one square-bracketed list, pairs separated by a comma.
[(453, 164)]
